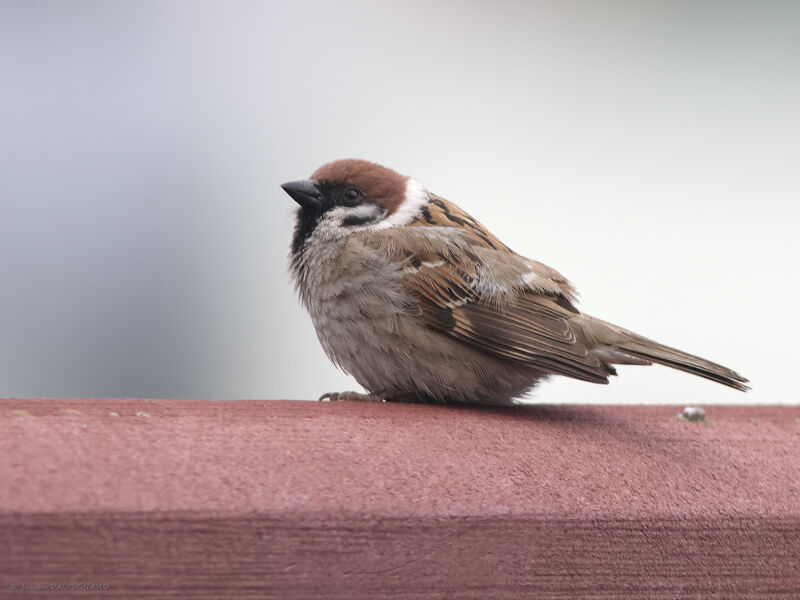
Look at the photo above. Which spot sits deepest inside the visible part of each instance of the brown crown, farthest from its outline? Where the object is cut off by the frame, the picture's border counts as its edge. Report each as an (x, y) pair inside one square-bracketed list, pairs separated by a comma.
[(378, 184)]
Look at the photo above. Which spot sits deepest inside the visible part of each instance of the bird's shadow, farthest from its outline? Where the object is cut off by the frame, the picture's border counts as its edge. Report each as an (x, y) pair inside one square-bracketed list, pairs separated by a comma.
[(567, 413), (635, 426)]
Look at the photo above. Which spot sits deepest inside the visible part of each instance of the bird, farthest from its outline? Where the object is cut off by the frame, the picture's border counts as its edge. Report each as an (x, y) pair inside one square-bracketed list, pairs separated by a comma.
[(419, 302)]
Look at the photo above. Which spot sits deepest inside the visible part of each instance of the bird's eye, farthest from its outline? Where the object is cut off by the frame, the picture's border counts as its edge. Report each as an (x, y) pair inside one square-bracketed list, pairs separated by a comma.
[(351, 193)]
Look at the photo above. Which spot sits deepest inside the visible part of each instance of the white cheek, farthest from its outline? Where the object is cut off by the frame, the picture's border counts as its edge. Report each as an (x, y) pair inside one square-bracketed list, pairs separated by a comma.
[(333, 222)]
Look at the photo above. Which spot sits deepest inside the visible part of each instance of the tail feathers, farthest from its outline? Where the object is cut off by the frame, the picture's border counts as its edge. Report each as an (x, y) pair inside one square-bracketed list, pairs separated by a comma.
[(625, 347), (670, 357)]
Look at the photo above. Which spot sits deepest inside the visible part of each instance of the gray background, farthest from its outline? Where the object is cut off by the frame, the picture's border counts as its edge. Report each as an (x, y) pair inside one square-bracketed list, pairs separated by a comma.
[(647, 150)]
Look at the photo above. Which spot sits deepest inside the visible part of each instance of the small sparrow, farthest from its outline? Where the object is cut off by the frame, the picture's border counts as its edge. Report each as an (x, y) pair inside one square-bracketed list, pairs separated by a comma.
[(421, 303)]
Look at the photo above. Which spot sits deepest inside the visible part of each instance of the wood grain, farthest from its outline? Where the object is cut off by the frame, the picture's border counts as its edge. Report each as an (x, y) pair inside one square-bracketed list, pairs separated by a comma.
[(192, 499)]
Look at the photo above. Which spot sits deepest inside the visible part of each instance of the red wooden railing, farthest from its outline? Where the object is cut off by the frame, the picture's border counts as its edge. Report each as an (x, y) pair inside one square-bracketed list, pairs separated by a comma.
[(255, 499)]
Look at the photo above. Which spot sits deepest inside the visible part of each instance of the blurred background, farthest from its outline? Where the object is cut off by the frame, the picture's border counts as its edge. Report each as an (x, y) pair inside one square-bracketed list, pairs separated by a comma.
[(650, 151)]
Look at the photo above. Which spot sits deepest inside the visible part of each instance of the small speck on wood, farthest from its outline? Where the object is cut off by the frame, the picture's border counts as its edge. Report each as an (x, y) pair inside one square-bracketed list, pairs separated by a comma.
[(693, 413)]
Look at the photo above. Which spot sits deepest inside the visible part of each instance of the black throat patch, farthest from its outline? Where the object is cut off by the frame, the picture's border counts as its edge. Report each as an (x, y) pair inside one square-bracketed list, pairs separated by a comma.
[(308, 218), (305, 224)]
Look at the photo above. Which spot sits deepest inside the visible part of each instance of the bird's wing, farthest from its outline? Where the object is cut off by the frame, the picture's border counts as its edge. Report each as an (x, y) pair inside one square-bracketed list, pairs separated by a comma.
[(461, 282)]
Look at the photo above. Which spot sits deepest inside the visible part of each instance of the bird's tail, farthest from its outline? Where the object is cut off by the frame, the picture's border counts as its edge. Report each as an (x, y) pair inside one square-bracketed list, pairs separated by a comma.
[(616, 345)]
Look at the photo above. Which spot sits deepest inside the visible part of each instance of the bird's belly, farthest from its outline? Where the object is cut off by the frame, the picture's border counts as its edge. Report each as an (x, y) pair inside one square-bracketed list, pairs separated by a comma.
[(372, 330)]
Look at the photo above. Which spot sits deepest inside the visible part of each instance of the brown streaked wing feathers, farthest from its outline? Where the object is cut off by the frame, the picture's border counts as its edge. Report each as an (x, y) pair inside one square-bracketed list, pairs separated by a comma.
[(442, 212), (521, 332), (523, 326)]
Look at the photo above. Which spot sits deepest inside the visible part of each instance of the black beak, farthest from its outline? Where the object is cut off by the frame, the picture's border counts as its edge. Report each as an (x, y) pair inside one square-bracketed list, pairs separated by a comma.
[(305, 192)]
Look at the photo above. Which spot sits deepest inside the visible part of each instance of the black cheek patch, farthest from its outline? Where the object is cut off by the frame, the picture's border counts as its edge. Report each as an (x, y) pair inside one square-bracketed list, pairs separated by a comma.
[(355, 220)]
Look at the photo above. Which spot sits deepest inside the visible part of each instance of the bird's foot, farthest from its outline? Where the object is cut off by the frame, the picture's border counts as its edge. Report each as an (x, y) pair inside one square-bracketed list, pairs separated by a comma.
[(349, 396)]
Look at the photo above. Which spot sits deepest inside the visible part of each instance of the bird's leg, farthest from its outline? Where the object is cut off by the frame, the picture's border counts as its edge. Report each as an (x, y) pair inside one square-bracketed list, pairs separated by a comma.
[(349, 396)]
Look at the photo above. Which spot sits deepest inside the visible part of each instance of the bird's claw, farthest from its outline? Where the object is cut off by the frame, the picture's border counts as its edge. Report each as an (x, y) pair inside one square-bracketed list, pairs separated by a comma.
[(349, 396)]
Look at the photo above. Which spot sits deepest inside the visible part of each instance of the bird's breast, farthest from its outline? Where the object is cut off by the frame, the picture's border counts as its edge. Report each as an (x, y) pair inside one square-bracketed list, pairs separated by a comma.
[(354, 296)]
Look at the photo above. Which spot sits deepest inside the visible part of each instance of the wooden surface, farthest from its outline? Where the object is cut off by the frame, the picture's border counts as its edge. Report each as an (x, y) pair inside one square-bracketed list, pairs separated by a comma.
[(194, 499)]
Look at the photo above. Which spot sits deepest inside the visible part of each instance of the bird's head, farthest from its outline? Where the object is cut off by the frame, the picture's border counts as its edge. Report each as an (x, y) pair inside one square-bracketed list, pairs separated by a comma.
[(350, 195)]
